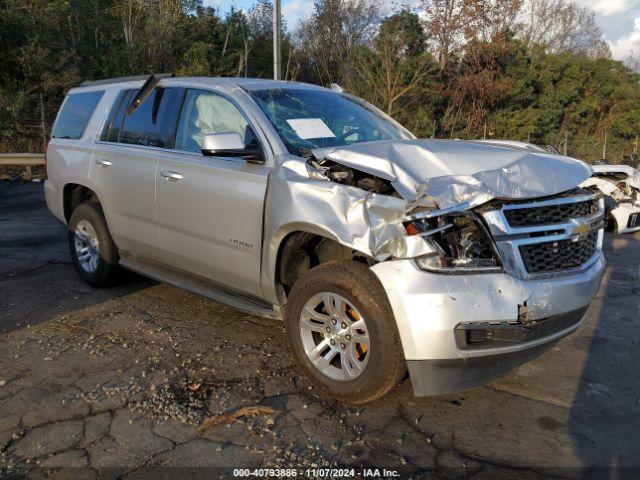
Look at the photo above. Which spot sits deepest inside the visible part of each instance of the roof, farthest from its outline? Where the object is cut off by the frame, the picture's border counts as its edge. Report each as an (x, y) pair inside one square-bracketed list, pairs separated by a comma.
[(246, 83)]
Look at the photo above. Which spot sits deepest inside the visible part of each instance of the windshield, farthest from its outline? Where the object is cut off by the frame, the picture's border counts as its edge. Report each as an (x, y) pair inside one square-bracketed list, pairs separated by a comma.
[(308, 119)]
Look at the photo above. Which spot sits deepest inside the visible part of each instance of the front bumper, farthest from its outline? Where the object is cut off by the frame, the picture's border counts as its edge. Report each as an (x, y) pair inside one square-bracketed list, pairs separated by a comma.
[(627, 217), (443, 377), (431, 309)]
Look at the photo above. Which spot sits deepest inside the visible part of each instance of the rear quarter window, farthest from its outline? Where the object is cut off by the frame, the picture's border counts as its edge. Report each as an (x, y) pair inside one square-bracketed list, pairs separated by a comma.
[(75, 114)]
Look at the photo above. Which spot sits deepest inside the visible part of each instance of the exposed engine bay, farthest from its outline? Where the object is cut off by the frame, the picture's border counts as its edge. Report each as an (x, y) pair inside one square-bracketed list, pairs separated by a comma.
[(353, 178)]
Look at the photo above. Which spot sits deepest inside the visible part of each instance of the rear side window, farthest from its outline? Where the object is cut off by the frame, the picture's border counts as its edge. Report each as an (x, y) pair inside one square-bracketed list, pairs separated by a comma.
[(151, 124), (75, 114)]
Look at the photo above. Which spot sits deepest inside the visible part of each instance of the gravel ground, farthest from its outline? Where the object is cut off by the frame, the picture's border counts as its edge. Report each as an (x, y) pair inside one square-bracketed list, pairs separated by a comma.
[(118, 382)]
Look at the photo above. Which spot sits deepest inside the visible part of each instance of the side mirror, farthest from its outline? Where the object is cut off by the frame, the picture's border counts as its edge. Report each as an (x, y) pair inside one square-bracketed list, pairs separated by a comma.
[(230, 145)]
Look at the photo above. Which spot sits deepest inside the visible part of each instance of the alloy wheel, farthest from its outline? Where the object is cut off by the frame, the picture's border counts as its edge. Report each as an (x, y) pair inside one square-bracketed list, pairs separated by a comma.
[(87, 246), (335, 336)]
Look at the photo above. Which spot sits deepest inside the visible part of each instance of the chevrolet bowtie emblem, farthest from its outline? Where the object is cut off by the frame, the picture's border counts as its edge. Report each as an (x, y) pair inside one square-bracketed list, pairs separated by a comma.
[(580, 230)]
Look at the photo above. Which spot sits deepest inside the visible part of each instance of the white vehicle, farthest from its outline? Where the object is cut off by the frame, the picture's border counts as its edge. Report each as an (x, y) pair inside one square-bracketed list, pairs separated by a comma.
[(621, 185), (382, 253)]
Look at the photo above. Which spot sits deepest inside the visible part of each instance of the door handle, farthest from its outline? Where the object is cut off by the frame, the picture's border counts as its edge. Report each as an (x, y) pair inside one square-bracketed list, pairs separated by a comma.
[(103, 163), (171, 176)]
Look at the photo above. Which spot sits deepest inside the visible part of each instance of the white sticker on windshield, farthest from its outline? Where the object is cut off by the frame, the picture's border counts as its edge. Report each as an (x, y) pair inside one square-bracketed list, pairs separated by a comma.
[(310, 128)]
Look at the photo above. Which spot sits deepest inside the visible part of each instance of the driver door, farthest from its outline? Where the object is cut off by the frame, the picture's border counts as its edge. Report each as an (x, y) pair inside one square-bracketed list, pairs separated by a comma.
[(210, 208)]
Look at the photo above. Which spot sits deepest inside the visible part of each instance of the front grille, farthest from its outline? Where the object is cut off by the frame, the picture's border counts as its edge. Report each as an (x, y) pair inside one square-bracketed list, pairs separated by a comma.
[(550, 214), (634, 220), (557, 256)]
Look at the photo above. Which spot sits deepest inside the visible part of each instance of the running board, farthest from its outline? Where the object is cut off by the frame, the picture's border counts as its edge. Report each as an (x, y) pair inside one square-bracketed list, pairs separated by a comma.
[(201, 287)]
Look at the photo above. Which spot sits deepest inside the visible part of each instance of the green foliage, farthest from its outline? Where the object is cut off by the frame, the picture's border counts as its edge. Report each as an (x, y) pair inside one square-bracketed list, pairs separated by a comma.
[(498, 85)]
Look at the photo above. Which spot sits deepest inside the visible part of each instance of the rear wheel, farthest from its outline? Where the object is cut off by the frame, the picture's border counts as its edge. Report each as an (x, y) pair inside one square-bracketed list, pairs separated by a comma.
[(94, 255), (343, 333)]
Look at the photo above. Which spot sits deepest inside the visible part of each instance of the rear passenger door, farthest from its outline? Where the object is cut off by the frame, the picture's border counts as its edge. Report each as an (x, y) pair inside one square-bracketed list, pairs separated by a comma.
[(124, 167), (210, 208)]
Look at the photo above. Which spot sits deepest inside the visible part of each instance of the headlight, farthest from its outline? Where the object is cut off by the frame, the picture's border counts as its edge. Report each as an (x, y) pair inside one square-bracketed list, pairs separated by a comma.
[(461, 241)]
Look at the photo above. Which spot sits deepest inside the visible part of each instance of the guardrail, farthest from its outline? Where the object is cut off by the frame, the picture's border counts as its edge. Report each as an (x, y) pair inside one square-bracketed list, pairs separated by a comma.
[(26, 160)]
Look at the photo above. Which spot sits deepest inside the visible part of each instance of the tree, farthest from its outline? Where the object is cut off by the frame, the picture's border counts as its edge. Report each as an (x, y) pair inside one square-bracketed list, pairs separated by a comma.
[(260, 22), (563, 27), (487, 19), (395, 70), (332, 34), (444, 22)]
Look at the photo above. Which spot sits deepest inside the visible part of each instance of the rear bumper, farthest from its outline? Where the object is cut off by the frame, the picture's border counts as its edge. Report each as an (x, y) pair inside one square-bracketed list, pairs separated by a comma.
[(512, 320), (54, 199)]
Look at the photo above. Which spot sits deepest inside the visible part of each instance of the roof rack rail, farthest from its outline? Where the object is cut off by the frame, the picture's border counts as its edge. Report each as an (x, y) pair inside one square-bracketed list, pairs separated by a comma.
[(108, 81)]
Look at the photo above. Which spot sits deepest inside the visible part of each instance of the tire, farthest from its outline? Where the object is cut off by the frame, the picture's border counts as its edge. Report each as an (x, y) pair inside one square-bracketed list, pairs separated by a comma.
[(88, 226), (380, 365)]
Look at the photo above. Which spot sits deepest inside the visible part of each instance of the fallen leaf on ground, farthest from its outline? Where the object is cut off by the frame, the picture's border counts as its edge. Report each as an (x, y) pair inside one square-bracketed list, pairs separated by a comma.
[(243, 412)]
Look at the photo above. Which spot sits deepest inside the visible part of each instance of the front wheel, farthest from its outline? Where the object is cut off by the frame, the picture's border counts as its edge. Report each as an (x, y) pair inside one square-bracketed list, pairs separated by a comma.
[(343, 333)]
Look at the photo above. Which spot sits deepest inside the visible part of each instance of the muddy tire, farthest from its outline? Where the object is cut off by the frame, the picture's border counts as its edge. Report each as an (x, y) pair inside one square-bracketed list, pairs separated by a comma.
[(343, 332), (93, 252)]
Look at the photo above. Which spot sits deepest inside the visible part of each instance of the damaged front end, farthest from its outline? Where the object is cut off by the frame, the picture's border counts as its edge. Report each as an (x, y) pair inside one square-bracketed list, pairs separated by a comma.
[(417, 198), (487, 254), (460, 240)]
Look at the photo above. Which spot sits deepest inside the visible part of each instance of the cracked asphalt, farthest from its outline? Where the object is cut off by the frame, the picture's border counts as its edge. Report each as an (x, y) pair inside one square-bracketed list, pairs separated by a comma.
[(116, 383)]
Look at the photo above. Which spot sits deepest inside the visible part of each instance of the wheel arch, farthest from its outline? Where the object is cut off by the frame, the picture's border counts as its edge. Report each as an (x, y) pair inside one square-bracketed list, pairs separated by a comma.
[(74, 194), (300, 247)]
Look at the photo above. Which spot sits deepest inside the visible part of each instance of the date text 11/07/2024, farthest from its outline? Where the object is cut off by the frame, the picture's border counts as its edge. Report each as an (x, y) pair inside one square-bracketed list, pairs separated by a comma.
[(317, 472)]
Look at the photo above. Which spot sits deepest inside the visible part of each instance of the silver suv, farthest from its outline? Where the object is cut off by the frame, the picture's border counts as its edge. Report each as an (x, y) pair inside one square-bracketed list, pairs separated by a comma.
[(382, 253)]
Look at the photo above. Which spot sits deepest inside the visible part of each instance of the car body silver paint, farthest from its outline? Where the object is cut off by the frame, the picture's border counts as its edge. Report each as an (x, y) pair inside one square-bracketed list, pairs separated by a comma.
[(454, 172), (428, 306), (292, 197)]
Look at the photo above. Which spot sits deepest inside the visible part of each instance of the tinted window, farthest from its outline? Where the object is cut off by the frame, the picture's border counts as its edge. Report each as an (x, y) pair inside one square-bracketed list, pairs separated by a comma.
[(205, 112), (111, 130), (151, 124), (75, 114)]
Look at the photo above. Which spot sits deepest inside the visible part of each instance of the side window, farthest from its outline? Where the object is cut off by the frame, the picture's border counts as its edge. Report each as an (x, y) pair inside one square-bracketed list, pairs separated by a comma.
[(111, 130), (206, 112), (144, 125), (75, 114), (151, 124)]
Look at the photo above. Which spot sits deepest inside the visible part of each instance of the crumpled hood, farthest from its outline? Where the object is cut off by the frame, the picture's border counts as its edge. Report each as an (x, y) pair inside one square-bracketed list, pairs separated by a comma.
[(455, 172), (633, 175)]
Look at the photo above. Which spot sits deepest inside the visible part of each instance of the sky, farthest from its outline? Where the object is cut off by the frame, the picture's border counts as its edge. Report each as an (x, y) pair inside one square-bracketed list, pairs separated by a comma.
[(619, 19), (620, 22)]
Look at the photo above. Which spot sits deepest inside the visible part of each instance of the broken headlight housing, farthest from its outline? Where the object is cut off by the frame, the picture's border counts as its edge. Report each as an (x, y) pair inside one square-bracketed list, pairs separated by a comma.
[(461, 243)]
